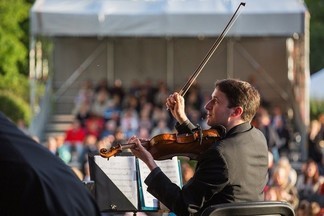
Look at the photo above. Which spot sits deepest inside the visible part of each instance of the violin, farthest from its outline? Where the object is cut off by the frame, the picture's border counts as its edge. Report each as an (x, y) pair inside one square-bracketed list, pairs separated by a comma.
[(166, 146)]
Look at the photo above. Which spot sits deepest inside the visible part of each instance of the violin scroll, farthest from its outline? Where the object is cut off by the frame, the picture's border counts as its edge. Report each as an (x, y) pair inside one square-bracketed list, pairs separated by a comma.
[(105, 153)]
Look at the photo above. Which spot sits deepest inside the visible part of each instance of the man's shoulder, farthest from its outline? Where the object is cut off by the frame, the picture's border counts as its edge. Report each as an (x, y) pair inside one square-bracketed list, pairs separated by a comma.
[(237, 143)]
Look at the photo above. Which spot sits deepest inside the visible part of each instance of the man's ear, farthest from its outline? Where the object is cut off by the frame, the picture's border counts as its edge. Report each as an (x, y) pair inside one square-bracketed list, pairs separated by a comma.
[(237, 111)]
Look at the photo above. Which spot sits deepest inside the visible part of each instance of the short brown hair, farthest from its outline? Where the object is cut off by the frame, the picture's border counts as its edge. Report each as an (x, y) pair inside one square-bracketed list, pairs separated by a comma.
[(240, 93)]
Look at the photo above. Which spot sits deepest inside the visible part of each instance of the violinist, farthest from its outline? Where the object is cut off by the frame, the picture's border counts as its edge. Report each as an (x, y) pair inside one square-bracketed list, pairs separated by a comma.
[(232, 169)]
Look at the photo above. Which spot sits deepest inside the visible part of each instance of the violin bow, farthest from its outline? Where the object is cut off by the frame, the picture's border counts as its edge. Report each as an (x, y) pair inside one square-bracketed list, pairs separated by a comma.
[(211, 51)]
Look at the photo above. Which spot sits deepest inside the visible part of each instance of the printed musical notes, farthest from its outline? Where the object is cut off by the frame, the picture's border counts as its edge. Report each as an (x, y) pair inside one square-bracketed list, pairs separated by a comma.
[(170, 167), (127, 173)]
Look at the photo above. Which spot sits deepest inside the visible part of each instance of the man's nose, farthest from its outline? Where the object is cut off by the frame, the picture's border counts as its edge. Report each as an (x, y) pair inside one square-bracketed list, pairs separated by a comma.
[(207, 106)]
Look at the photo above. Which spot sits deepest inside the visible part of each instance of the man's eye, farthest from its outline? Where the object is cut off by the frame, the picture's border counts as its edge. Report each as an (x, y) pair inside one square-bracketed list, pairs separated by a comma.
[(213, 101)]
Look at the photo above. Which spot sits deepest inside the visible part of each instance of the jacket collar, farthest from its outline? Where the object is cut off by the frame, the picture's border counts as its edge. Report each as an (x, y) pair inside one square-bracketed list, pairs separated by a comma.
[(239, 129)]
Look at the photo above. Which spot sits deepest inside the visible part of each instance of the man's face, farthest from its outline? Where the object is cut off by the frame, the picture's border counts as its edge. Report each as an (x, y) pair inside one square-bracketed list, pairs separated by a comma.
[(217, 109)]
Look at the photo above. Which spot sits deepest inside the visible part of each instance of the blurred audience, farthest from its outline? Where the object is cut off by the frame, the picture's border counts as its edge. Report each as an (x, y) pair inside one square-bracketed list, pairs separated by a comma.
[(310, 183), (108, 115), (281, 188), (315, 137), (263, 123), (74, 138), (279, 123)]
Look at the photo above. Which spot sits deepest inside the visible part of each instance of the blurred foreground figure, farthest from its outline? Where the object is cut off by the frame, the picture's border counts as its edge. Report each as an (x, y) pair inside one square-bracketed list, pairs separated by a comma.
[(36, 182)]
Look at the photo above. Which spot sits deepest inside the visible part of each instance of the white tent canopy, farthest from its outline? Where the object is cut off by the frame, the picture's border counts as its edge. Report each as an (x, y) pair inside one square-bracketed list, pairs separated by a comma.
[(166, 39), (165, 17)]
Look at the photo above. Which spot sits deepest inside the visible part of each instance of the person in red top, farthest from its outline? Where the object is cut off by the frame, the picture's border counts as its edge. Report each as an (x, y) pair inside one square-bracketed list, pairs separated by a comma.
[(74, 138)]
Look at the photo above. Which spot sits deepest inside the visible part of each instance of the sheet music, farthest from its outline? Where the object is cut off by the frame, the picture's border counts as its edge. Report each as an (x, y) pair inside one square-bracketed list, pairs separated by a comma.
[(169, 167), (122, 172)]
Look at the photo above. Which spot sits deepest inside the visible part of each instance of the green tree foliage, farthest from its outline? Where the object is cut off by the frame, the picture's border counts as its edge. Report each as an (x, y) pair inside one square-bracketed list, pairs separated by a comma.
[(316, 9), (15, 83), (14, 107), (316, 108), (13, 51), (13, 48)]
